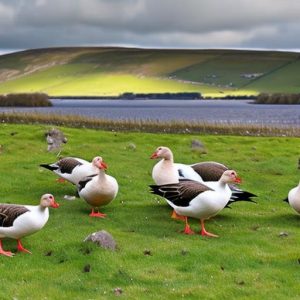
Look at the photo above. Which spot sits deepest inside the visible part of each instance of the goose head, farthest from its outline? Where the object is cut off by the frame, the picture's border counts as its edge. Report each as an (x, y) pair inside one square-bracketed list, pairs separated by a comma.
[(162, 152), (47, 200), (99, 163), (230, 176)]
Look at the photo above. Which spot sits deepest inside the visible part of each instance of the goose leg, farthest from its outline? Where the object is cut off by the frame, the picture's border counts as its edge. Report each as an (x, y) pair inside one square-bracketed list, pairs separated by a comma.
[(97, 214), (5, 253), (203, 232), (187, 229), (21, 248)]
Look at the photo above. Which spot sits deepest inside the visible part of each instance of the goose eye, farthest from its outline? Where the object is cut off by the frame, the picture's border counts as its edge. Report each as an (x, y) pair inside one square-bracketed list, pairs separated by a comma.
[(232, 173)]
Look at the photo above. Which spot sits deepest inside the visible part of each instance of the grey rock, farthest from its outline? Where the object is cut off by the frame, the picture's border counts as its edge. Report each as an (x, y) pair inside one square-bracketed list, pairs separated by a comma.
[(102, 239), (283, 234), (131, 146), (198, 146), (55, 138), (118, 291)]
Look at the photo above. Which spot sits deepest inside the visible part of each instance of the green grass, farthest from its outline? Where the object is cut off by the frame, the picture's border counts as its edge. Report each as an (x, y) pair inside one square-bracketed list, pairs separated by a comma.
[(113, 71), (249, 260)]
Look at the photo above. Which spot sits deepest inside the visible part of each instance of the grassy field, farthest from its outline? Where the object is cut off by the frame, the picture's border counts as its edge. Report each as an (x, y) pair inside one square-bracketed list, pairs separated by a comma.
[(113, 71), (249, 259)]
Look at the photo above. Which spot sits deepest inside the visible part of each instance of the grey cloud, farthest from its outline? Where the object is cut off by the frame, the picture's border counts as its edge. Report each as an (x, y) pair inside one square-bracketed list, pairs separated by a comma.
[(150, 23)]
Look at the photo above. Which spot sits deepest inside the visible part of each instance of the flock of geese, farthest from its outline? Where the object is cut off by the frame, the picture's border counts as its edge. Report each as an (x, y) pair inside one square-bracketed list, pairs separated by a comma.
[(198, 191)]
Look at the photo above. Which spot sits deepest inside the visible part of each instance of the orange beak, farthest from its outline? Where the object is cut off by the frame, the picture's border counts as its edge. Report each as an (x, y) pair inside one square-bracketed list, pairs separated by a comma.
[(103, 165), (154, 155), (238, 180), (54, 204)]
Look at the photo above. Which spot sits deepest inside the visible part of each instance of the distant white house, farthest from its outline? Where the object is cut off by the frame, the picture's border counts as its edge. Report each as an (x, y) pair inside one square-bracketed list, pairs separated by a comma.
[(251, 75)]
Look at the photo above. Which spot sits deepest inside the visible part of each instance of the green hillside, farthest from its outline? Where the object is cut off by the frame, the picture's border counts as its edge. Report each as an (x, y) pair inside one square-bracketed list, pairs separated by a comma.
[(112, 71)]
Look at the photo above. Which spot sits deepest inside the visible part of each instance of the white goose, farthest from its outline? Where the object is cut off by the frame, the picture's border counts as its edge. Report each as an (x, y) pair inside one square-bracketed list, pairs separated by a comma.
[(73, 169), (197, 200), (294, 198), (98, 190), (166, 171), (17, 221)]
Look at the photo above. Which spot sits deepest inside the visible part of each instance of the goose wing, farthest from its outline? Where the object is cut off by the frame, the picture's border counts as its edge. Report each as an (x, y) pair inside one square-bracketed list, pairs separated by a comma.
[(181, 193)]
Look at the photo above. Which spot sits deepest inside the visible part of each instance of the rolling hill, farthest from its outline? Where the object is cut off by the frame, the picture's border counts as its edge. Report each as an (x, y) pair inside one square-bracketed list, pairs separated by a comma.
[(110, 71)]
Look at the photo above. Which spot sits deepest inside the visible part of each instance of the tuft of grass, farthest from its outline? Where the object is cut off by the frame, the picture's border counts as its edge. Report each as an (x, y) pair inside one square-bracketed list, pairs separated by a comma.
[(249, 260), (184, 127)]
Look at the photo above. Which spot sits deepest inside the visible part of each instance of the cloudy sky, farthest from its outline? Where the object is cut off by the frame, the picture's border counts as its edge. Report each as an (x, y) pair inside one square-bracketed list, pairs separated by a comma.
[(267, 24)]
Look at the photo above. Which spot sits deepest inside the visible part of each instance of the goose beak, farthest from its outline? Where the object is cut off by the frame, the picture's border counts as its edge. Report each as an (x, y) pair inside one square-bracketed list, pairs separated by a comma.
[(154, 155), (103, 165), (54, 204), (238, 180)]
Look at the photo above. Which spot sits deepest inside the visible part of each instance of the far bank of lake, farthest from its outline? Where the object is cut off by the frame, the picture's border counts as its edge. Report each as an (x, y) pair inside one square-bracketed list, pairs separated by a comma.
[(217, 111)]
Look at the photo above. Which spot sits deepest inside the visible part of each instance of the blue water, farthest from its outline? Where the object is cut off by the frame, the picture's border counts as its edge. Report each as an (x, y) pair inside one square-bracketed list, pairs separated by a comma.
[(218, 111)]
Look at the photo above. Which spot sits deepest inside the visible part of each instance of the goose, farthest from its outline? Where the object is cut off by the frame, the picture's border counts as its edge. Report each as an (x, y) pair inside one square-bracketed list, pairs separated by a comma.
[(166, 171), (190, 198), (98, 190), (73, 169), (17, 221), (293, 198)]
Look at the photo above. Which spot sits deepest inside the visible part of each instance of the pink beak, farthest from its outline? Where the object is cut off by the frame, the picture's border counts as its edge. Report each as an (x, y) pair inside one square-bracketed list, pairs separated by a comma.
[(154, 155)]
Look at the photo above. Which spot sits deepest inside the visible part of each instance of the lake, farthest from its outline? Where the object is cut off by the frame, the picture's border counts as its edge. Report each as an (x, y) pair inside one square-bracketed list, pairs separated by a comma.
[(219, 111)]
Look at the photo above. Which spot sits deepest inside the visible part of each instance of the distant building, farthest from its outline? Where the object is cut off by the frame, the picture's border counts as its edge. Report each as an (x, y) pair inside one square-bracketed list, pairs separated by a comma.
[(251, 75)]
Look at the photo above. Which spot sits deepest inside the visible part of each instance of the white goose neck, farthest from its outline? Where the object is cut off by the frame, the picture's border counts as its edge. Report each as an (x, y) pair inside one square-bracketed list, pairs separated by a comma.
[(102, 175), (169, 157), (42, 208)]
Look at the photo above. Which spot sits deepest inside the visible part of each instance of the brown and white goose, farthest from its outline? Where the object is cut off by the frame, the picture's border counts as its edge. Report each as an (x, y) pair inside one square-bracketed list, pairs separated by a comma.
[(166, 171), (17, 221), (194, 199), (73, 169), (293, 198), (98, 190)]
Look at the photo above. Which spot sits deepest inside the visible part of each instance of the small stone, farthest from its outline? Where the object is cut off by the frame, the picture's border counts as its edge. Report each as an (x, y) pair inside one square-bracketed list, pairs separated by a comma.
[(49, 253), (87, 268), (184, 252), (102, 239), (198, 146), (131, 146), (69, 198), (55, 138), (255, 228), (118, 291), (283, 234), (147, 252)]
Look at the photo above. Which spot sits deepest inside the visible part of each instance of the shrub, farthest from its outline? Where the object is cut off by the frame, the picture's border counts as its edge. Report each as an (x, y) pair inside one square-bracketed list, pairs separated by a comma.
[(23, 99), (278, 98)]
